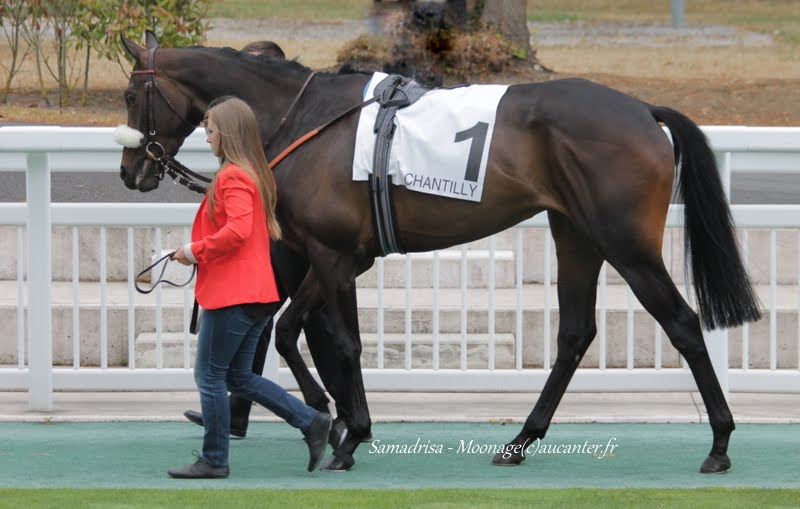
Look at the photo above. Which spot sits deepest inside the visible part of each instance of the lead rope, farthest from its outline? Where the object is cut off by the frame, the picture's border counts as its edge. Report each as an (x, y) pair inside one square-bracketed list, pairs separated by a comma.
[(160, 278), (193, 327)]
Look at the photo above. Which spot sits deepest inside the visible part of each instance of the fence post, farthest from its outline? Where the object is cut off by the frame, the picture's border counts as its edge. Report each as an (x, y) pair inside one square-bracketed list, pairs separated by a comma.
[(717, 341), (40, 328), (272, 362), (717, 344)]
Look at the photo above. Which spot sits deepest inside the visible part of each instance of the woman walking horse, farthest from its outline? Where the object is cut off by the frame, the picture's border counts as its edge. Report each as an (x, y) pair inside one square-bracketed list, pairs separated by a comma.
[(596, 160)]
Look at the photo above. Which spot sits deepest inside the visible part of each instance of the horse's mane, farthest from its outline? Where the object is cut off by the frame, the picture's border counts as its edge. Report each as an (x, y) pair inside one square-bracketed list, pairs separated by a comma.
[(348, 68), (290, 63)]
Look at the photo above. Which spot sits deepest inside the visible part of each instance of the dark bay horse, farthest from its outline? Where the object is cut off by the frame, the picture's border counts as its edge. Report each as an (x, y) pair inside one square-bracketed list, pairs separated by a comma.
[(596, 160)]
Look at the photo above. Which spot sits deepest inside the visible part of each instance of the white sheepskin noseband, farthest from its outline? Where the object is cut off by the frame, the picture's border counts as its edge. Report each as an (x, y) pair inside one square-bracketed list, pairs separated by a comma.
[(128, 137)]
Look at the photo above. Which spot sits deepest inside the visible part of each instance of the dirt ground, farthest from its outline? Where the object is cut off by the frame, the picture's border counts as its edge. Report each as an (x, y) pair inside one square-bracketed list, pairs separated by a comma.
[(761, 102), (716, 75), (752, 103)]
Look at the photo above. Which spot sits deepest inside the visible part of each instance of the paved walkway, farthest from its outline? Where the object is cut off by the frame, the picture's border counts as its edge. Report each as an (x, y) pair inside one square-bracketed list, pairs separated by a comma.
[(43, 448), (420, 407), (402, 456)]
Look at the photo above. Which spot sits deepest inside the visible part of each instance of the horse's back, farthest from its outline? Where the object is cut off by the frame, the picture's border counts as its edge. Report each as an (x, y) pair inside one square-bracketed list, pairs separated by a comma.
[(579, 106)]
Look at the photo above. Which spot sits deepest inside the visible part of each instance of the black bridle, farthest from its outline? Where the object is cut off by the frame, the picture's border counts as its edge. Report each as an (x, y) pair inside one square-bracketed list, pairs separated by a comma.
[(165, 163)]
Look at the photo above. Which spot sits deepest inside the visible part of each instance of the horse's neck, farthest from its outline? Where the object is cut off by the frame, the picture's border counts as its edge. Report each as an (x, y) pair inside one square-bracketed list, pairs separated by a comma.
[(266, 87)]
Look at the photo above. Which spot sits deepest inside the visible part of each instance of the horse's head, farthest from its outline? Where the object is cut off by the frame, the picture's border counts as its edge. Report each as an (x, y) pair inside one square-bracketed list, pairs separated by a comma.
[(160, 117)]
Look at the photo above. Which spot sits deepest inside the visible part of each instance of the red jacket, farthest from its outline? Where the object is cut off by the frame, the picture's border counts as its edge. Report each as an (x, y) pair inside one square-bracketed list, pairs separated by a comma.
[(232, 253)]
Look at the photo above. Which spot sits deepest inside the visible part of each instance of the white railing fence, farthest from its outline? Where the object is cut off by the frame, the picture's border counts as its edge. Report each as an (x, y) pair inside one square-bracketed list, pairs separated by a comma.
[(41, 150)]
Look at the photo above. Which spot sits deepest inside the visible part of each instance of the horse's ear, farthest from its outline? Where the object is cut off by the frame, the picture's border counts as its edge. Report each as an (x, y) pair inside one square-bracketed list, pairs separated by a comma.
[(150, 38), (133, 49)]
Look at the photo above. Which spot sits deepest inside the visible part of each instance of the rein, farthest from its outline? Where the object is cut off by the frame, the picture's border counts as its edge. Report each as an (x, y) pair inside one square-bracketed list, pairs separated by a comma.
[(184, 176), (160, 278), (310, 134), (193, 327)]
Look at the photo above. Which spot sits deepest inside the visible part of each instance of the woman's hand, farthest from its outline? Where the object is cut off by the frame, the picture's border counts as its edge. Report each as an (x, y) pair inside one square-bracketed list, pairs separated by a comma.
[(180, 257)]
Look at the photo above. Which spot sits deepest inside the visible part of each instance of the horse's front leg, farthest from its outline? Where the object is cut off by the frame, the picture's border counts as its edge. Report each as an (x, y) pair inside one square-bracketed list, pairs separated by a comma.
[(322, 355), (336, 272), (287, 331), (291, 270)]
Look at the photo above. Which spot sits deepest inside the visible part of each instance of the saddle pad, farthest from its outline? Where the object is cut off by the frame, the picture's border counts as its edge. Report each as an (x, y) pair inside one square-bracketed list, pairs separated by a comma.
[(441, 142)]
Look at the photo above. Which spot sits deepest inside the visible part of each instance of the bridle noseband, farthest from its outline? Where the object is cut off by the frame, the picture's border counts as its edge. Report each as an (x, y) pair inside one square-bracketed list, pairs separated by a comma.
[(165, 164)]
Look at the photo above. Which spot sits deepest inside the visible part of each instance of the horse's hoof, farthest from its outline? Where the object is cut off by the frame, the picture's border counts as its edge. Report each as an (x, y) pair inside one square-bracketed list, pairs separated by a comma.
[(337, 434), (502, 459), (336, 464), (714, 465)]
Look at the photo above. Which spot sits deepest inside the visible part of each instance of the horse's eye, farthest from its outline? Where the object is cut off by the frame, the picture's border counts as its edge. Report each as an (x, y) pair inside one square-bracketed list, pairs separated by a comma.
[(130, 99)]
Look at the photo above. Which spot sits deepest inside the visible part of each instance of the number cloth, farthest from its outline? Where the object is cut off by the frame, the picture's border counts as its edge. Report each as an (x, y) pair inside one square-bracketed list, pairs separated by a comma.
[(441, 142)]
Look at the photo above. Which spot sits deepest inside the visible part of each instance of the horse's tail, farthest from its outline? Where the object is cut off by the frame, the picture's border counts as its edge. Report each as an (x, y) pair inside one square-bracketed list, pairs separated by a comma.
[(724, 292)]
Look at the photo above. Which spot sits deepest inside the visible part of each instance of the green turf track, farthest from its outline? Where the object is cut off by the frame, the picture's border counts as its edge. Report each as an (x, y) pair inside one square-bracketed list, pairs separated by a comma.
[(137, 455), (730, 498)]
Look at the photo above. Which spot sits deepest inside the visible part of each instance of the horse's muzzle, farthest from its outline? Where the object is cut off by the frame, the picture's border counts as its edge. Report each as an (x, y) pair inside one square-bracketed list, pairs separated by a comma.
[(127, 179), (146, 178), (139, 175)]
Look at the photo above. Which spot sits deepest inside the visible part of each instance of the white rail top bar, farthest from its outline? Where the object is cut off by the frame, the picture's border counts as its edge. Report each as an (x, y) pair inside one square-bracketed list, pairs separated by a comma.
[(27, 139)]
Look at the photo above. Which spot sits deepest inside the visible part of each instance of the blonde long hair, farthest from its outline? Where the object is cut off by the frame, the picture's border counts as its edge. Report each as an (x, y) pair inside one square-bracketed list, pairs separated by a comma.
[(240, 144)]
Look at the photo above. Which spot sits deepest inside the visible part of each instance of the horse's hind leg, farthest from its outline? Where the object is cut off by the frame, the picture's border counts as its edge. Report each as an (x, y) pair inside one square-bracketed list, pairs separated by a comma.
[(287, 331), (652, 285), (578, 268)]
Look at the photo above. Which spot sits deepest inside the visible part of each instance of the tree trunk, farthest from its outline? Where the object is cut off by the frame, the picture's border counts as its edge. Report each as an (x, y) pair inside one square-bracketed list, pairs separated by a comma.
[(85, 93), (10, 76), (510, 18), (39, 74), (463, 38), (16, 59), (63, 79)]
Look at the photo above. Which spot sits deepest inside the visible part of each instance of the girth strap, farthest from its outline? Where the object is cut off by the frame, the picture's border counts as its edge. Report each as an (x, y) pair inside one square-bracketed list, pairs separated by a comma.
[(395, 96)]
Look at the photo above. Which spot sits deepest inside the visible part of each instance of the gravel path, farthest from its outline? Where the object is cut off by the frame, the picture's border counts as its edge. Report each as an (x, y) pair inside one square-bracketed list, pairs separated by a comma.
[(257, 29), (542, 34), (654, 35)]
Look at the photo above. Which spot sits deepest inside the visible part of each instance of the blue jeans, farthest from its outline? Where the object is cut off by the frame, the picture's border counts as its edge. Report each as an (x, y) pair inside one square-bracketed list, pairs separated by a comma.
[(226, 345)]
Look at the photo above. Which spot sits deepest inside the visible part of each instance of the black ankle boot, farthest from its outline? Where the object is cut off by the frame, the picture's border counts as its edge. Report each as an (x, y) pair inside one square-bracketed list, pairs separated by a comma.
[(197, 418)]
